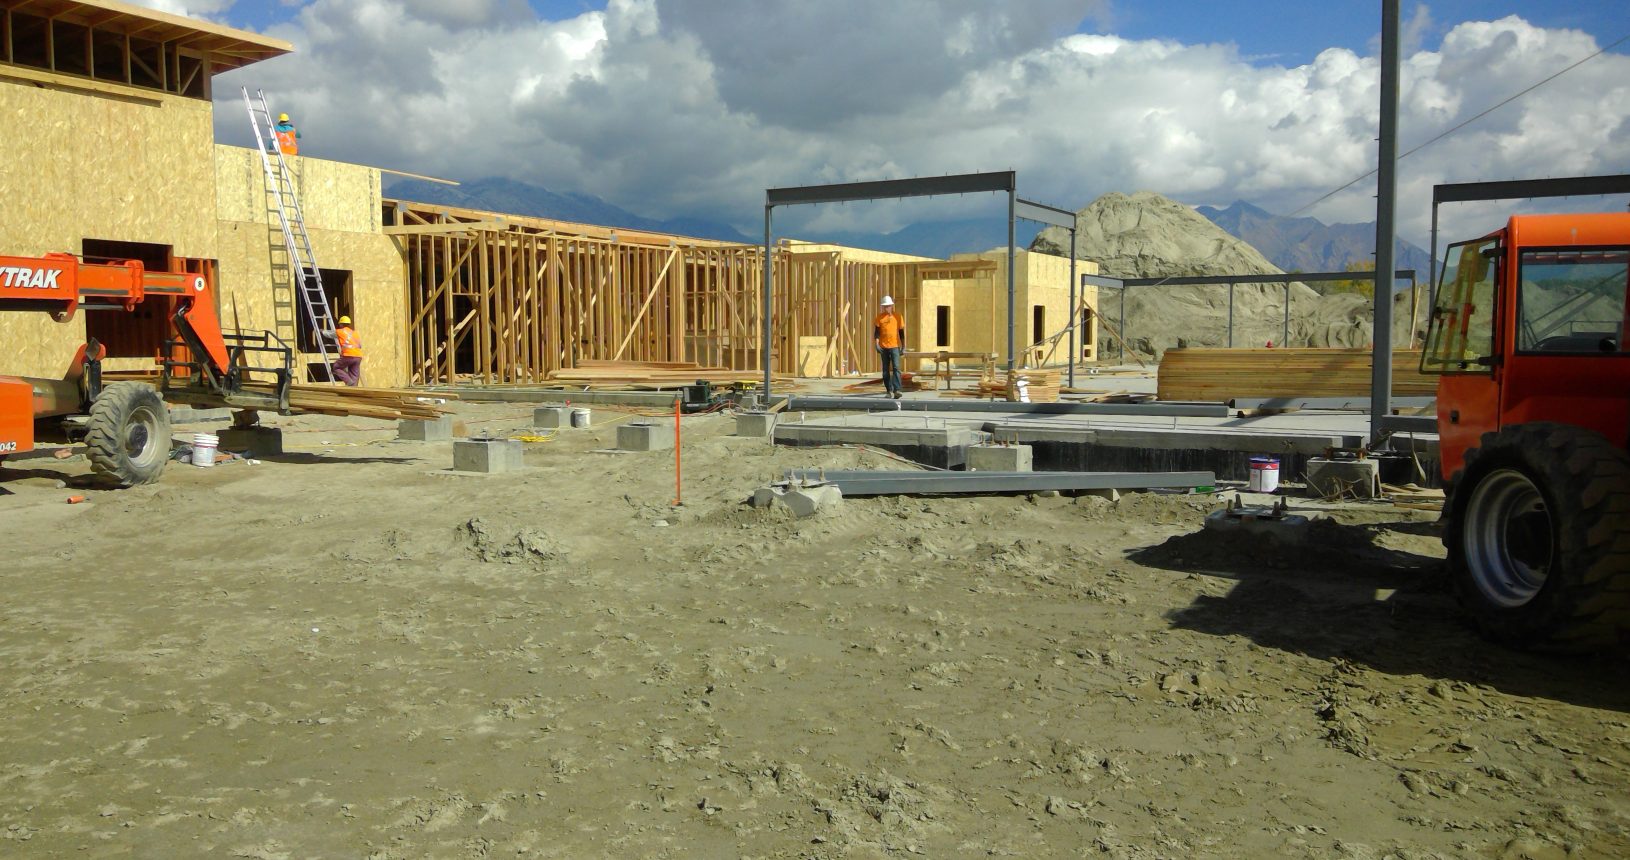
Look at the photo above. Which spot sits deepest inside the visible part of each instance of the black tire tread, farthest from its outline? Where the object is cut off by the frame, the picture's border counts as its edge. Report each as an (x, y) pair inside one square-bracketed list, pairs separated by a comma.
[(1586, 481), (103, 437)]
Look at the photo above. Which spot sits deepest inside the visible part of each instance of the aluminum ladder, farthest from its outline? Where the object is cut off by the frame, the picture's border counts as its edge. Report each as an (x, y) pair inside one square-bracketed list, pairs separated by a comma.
[(308, 281)]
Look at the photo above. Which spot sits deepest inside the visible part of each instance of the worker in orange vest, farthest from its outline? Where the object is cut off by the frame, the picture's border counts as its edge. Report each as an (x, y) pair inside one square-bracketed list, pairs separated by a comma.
[(288, 139), (889, 337), (348, 369)]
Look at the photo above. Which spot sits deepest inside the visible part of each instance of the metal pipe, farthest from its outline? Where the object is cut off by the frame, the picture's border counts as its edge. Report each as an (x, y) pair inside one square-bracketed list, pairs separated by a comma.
[(1075, 311), (1386, 200), (1012, 196), (768, 263)]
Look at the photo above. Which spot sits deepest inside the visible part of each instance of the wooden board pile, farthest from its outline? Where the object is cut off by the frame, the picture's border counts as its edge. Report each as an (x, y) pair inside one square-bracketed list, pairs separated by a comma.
[(386, 404), (1042, 385), (650, 375), (1223, 374)]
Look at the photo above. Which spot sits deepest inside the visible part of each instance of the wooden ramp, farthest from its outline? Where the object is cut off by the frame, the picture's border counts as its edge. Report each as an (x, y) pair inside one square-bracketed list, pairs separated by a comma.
[(1224, 374)]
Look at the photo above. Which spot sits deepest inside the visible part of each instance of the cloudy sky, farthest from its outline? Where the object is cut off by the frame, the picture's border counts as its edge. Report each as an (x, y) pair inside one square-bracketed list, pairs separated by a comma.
[(693, 107)]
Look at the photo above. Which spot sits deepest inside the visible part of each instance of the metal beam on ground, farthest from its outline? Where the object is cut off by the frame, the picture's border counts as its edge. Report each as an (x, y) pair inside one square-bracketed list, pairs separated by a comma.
[(1361, 404), (883, 404), (889, 483)]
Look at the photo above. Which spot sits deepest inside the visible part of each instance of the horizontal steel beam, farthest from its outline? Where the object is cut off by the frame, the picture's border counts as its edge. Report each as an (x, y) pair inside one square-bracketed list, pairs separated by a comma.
[(883, 404), (1359, 403), (1043, 214), (1569, 186), (1290, 278), (886, 189), (891, 483), (1408, 423)]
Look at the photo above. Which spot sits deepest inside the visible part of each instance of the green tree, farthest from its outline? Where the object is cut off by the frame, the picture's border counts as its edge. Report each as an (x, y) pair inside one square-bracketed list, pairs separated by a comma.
[(1365, 288)]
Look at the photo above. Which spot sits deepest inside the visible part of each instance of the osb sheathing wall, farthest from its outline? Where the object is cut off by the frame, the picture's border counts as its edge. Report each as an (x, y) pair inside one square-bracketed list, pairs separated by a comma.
[(979, 311), (341, 203), (79, 165)]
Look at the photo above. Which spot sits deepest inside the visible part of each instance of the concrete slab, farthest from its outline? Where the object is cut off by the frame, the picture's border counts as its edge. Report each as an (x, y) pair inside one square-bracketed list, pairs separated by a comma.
[(645, 436), (1000, 458), (756, 424), (487, 456), (439, 430), (257, 441)]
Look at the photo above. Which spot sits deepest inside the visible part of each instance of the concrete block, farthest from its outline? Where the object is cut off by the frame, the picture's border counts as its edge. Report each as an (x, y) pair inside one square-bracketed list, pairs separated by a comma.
[(757, 424), (1109, 495), (257, 441), (804, 501), (644, 436), (439, 430), (1289, 529), (999, 458), (489, 456), (552, 417), (1328, 478)]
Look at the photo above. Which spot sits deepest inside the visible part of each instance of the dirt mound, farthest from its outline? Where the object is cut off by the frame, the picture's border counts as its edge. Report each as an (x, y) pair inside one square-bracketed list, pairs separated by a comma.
[(1146, 235)]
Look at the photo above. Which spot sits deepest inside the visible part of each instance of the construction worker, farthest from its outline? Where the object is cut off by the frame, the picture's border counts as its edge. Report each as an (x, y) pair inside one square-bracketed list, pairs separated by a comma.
[(288, 139), (348, 369), (889, 337)]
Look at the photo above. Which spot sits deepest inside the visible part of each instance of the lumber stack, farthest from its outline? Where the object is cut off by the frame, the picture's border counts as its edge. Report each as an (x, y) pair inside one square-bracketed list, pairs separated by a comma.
[(1042, 385), (386, 404), (602, 374), (1223, 374)]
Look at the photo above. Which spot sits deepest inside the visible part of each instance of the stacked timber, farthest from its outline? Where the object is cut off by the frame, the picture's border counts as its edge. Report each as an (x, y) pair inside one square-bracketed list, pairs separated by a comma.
[(601, 374), (1224, 374), (1041, 385), (386, 404)]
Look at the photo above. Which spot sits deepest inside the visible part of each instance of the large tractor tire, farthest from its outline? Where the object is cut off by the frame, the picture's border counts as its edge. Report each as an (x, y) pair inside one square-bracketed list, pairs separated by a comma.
[(128, 437), (1538, 533)]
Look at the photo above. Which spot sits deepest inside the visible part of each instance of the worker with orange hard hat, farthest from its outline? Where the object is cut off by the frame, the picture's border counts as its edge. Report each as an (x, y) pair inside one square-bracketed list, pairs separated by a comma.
[(288, 138), (348, 368)]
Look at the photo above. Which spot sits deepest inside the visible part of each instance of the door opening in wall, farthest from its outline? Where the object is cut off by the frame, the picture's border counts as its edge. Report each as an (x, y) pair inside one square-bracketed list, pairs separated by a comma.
[(1038, 324), (337, 291), (942, 326), (141, 332)]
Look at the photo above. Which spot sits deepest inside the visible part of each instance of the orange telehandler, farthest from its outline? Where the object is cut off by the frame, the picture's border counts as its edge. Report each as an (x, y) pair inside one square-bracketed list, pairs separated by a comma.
[(124, 424), (1528, 333)]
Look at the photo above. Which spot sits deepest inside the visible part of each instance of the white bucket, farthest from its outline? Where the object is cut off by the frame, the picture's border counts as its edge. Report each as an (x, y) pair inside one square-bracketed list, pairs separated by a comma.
[(1264, 474), (203, 449), (580, 418), (1024, 391)]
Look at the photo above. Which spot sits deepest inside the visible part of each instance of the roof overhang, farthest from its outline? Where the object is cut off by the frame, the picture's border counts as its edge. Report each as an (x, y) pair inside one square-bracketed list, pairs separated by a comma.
[(225, 47)]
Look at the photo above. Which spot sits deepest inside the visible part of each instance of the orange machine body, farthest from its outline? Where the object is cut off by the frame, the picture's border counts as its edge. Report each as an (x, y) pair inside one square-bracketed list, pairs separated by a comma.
[(1587, 388)]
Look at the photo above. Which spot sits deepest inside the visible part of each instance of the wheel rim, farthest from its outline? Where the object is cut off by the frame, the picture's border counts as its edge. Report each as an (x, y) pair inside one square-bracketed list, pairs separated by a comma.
[(142, 437), (1508, 538)]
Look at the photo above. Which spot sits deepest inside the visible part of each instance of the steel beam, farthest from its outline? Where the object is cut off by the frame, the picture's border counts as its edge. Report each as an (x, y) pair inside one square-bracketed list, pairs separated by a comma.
[(1003, 407), (887, 189), (1043, 214), (890, 483), (1408, 423), (1386, 206), (1360, 404), (1298, 277)]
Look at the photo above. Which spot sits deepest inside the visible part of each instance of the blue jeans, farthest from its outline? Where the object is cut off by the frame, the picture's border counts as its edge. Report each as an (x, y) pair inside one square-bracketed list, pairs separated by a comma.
[(891, 368)]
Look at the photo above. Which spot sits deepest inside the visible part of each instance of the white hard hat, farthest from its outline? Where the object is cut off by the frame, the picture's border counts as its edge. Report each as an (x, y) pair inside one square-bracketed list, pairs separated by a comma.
[(888, 301)]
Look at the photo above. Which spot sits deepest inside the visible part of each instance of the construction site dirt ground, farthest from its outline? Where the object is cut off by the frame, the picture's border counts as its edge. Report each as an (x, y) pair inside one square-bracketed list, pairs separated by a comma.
[(344, 653)]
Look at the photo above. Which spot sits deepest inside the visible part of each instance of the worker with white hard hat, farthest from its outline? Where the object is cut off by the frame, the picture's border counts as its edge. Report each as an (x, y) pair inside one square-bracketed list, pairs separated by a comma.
[(889, 338)]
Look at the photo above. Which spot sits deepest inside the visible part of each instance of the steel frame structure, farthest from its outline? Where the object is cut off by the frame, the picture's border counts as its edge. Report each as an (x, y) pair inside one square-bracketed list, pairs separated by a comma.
[(886, 189), (1044, 214)]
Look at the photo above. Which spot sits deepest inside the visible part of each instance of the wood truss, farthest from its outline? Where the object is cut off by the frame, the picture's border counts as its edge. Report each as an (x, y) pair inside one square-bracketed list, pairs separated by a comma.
[(511, 300)]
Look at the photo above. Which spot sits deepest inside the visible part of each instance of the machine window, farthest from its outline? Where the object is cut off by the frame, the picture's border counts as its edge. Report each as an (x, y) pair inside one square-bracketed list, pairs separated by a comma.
[(1462, 327), (1572, 300)]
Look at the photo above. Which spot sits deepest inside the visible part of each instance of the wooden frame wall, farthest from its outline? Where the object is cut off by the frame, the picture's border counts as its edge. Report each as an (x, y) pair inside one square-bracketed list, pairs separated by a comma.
[(495, 301)]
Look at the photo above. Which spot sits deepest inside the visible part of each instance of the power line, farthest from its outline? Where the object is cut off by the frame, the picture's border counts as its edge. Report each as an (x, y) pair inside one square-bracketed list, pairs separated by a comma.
[(1466, 122)]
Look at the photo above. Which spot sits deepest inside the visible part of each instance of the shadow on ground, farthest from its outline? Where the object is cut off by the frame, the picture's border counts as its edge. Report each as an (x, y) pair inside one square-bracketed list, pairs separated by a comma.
[(1343, 593)]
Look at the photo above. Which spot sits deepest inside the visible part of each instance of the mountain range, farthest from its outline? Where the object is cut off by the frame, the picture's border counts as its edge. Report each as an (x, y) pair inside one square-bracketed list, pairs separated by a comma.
[(1308, 244), (1292, 244)]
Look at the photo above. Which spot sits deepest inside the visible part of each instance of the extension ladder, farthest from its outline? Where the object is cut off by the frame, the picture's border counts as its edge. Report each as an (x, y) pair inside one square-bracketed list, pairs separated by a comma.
[(308, 280)]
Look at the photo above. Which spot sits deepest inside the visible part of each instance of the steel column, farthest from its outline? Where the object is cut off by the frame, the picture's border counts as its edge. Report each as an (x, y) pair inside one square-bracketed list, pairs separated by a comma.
[(764, 347), (1386, 201), (1012, 196), (1075, 310), (1230, 316)]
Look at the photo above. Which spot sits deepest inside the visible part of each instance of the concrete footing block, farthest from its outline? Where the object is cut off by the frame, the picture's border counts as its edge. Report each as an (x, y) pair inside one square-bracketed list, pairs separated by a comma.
[(756, 424), (552, 417), (1329, 479), (439, 430), (644, 436), (999, 458), (487, 456), (257, 441), (1289, 529), (803, 500), (1111, 495)]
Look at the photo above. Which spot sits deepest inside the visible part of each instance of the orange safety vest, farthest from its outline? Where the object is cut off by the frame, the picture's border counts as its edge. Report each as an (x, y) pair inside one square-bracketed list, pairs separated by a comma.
[(350, 344), (288, 142), (888, 325)]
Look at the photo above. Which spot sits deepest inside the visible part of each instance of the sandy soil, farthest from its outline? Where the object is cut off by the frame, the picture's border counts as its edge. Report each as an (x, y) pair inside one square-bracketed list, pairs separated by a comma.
[(341, 654)]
